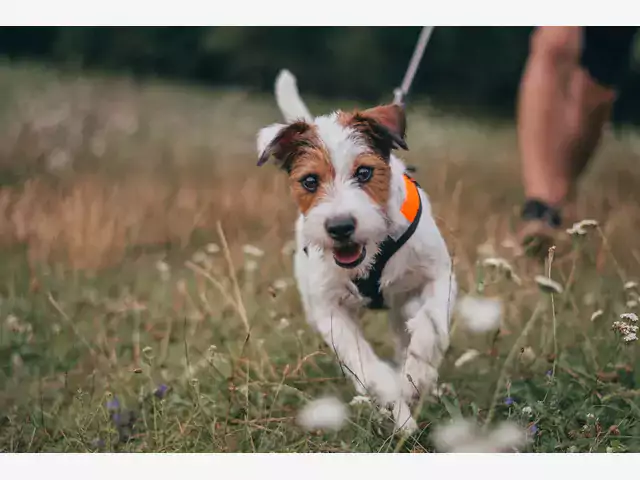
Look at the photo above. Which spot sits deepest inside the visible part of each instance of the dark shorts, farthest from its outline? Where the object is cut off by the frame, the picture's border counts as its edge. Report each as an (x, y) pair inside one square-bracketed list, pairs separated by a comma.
[(606, 53)]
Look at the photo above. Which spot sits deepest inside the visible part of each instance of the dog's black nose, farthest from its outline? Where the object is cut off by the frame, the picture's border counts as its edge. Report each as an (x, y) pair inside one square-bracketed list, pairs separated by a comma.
[(340, 228)]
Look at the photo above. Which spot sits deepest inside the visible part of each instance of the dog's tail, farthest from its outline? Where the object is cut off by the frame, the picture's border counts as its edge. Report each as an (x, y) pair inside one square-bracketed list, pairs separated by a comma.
[(288, 98)]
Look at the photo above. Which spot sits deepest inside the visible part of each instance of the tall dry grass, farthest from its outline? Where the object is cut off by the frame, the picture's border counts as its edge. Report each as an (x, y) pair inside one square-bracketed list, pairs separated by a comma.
[(95, 168)]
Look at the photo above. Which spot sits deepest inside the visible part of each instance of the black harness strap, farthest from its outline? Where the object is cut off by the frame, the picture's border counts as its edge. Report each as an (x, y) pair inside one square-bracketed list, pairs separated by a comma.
[(369, 286)]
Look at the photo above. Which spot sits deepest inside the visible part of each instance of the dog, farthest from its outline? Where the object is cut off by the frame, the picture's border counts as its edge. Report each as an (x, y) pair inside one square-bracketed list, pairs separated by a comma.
[(365, 238)]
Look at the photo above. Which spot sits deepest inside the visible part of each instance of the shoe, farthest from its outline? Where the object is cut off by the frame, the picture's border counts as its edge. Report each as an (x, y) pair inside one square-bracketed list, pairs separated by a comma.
[(542, 229)]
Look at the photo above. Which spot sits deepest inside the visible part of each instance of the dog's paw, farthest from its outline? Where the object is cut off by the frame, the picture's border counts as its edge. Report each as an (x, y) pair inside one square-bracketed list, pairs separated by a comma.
[(417, 378), (383, 382), (405, 425)]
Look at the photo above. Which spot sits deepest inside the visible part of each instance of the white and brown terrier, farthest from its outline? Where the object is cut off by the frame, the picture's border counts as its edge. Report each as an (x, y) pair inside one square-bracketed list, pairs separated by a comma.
[(365, 238)]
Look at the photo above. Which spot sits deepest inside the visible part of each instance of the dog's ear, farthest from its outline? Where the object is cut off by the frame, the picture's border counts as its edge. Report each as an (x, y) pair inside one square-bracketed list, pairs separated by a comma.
[(385, 125), (281, 142)]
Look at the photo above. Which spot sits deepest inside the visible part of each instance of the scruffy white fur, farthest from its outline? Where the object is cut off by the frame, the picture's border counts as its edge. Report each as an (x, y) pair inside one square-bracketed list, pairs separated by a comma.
[(417, 283)]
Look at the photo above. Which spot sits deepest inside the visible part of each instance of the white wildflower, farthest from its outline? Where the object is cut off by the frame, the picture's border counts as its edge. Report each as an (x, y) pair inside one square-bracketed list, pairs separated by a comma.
[(587, 223), (498, 263), (252, 251), (199, 257), (212, 351), (631, 285), (501, 265), (58, 160), (480, 314), (243, 389), (162, 266), (289, 248), (596, 315), (283, 323), (465, 436), (629, 332), (16, 361), (250, 266), (576, 231), (527, 411), (13, 323), (548, 285), (212, 248), (590, 416), (281, 284), (327, 413), (466, 357), (360, 400), (527, 355), (442, 389), (581, 228), (632, 317), (589, 299)]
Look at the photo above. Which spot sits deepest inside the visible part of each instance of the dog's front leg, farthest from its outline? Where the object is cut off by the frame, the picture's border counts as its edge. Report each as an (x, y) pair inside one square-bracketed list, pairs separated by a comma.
[(428, 328), (368, 372)]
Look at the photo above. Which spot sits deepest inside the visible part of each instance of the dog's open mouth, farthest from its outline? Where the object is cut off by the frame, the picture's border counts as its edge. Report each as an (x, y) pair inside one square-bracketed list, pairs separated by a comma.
[(349, 255)]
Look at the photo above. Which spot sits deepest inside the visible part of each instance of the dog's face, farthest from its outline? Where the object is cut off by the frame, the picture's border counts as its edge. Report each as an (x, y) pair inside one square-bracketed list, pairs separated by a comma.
[(340, 176)]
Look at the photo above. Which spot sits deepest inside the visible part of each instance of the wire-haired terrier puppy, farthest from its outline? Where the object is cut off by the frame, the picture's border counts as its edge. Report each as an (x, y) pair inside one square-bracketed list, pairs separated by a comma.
[(365, 238)]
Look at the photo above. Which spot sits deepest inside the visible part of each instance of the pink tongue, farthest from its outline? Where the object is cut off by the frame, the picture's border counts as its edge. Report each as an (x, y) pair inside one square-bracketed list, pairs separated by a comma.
[(347, 257)]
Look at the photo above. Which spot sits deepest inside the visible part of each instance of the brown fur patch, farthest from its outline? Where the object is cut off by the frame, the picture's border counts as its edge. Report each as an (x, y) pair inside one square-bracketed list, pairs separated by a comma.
[(310, 159), (383, 127), (287, 144), (378, 187)]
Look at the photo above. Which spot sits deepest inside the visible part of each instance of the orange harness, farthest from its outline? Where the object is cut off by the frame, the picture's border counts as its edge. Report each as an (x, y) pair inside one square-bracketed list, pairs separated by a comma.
[(369, 286)]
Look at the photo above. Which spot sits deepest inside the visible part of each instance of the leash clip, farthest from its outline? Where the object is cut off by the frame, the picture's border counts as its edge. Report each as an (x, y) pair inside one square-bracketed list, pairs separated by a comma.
[(398, 97)]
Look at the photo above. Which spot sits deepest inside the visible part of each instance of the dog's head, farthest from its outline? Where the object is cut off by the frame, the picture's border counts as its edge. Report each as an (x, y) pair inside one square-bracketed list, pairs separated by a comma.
[(340, 176)]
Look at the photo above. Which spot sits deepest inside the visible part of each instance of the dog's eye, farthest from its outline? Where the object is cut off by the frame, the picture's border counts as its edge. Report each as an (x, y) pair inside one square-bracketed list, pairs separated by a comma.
[(310, 183), (363, 174)]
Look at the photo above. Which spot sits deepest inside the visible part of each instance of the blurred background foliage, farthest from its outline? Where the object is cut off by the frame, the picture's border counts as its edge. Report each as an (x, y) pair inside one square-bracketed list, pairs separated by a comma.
[(469, 67)]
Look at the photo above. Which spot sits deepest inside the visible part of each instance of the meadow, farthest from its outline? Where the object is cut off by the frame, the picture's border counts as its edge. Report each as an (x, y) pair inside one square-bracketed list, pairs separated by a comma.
[(147, 302)]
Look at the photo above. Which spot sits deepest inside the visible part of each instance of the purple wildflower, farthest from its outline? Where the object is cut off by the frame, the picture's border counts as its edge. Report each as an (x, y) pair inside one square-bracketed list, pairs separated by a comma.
[(533, 429), (508, 401), (124, 422), (161, 391), (549, 373), (113, 404)]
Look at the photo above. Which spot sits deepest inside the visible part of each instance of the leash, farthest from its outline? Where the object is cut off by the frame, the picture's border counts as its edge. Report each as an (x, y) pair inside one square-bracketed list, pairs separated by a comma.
[(402, 91), (369, 287)]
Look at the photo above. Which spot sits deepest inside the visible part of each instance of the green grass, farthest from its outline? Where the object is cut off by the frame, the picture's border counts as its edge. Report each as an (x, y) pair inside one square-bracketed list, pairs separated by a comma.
[(73, 340)]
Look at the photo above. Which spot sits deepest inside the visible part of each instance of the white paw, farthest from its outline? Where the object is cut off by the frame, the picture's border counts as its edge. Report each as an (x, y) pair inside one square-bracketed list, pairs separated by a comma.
[(387, 388), (405, 424), (383, 382), (417, 378)]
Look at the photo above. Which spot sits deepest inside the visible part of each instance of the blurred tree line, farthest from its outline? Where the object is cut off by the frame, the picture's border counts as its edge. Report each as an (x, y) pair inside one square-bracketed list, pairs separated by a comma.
[(478, 67)]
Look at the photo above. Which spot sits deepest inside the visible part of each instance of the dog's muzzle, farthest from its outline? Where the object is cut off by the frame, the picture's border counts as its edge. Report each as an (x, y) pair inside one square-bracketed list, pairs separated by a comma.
[(346, 252)]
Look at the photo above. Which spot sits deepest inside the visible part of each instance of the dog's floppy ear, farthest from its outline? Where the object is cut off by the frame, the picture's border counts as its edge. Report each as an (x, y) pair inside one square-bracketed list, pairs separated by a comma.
[(385, 125), (281, 141)]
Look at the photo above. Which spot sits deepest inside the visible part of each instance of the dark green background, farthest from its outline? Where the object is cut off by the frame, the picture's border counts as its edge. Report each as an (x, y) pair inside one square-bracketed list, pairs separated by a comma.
[(473, 67)]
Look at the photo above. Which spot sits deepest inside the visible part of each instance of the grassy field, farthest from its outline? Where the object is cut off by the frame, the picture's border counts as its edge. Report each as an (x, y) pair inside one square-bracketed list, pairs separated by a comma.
[(147, 304)]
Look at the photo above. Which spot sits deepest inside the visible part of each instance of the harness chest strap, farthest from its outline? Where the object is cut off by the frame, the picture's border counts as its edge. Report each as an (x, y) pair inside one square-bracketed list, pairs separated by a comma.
[(369, 287)]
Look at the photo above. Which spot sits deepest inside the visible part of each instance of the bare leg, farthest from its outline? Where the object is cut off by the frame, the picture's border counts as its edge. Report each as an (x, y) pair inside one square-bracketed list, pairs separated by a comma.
[(561, 113)]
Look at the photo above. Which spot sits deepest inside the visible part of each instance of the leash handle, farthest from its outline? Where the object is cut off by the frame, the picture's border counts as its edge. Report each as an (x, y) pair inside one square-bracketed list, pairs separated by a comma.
[(402, 91)]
